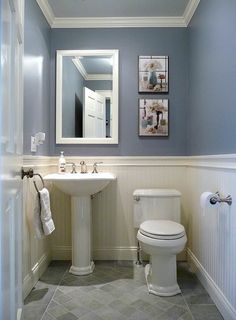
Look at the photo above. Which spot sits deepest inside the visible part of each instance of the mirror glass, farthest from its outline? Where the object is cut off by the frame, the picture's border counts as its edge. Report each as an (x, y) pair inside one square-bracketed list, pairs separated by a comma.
[(87, 96)]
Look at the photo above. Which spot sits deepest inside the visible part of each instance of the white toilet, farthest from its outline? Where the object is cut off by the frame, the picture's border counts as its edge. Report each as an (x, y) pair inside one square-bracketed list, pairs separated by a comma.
[(157, 215)]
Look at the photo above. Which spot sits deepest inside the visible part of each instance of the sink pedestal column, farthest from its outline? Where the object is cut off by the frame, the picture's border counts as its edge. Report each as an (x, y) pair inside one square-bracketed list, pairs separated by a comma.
[(81, 235)]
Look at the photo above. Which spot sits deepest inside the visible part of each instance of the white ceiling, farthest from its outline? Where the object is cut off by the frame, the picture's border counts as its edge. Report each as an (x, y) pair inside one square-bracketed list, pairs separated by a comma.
[(118, 13)]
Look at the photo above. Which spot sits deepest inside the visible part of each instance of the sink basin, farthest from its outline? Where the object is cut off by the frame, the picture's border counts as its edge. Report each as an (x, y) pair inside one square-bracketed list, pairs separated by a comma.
[(80, 184)]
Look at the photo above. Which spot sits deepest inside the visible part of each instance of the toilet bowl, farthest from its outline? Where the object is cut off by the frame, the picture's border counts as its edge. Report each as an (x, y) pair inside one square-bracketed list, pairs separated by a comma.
[(162, 240), (157, 217)]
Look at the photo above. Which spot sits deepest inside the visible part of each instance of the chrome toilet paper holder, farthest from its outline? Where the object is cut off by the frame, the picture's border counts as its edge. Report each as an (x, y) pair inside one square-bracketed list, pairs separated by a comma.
[(217, 198)]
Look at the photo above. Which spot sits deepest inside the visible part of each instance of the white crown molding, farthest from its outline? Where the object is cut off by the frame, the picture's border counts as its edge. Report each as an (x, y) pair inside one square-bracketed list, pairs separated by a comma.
[(47, 11), (118, 22), (80, 67), (190, 10), (90, 76), (99, 76)]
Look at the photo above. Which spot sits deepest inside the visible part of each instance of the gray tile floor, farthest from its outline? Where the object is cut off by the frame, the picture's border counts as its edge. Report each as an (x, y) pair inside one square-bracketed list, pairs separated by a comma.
[(115, 291)]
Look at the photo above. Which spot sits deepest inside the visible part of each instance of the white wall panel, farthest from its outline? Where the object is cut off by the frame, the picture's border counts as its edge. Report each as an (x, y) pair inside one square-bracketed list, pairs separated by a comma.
[(211, 237), (212, 234), (36, 253), (114, 236)]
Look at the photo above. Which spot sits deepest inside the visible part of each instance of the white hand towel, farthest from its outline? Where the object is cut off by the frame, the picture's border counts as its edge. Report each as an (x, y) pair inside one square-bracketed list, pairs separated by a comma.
[(46, 215), (37, 219)]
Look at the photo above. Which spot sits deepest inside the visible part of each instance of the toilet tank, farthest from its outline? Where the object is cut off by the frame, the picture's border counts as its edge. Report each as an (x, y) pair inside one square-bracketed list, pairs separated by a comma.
[(159, 204)]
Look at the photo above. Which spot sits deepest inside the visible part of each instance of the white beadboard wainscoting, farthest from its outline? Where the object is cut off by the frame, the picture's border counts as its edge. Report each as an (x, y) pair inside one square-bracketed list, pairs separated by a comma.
[(114, 236), (211, 236), (36, 253)]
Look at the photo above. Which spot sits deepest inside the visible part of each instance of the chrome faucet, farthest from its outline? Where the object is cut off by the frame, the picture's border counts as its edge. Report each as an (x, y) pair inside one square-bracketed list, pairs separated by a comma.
[(83, 167), (95, 170), (73, 167)]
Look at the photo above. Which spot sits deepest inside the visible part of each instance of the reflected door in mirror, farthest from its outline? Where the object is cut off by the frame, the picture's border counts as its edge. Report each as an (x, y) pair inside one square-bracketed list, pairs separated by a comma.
[(94, 121)]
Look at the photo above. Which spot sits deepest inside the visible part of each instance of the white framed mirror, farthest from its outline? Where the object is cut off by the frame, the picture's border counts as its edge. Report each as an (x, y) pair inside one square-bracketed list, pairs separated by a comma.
[(87, 96)]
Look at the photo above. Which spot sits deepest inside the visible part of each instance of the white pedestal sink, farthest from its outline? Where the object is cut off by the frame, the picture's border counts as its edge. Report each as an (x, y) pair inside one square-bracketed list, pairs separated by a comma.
[(80, 186)]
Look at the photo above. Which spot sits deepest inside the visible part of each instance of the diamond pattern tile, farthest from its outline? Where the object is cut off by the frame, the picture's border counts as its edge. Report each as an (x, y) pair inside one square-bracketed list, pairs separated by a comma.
[(114, 291)]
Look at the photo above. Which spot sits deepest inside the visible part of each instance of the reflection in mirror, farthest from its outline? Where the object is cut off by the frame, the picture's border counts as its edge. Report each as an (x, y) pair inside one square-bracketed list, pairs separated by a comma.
[(87, 96)]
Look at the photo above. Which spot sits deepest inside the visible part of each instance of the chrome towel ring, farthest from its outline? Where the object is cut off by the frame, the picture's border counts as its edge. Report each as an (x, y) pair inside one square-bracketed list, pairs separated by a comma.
[(30, 174)]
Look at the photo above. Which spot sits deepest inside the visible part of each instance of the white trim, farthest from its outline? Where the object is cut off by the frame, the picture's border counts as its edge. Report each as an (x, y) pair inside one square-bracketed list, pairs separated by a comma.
[(47, 11), (98, 77), (190, 10), (61, 252), (80, 67), (19, 314), (36, 161), (112, 253), (216, 294), (224, 161), (115, 253), (37, 270), (41, 161), (118, 22)]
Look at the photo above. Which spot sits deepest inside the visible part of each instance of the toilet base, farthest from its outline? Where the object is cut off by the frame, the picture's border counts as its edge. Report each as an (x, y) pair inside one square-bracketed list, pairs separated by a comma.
[(158, 290)]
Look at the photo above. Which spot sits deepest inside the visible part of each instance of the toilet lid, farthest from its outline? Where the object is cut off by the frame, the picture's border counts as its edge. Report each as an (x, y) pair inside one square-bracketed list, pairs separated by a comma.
[(162, 229)]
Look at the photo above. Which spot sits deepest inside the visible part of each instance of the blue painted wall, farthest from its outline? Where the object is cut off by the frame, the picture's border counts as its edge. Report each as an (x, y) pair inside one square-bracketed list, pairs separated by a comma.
[(212, 80), (202, 82), (36, 76), (131, 43), (72, 83), (98, 84)]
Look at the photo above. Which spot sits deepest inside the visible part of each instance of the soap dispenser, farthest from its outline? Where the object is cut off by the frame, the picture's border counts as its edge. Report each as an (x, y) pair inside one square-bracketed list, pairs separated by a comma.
[(62, 163)]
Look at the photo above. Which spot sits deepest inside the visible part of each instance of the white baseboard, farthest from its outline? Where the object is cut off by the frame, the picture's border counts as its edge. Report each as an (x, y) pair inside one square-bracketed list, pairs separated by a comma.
[(61, 252), (19, 314), (112, 253), (37, 270), (226, 309), (115, 253)]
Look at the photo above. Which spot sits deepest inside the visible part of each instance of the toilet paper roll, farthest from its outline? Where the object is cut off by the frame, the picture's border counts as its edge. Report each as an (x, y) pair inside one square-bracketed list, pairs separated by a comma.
[(205, 200)]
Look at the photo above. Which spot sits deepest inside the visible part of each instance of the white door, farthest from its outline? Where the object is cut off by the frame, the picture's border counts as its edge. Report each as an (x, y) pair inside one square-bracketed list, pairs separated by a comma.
[(11, 139), (94, 115)]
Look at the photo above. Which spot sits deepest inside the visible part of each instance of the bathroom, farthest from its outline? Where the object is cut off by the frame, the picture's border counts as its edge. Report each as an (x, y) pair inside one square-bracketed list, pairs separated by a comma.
[(198, 155)]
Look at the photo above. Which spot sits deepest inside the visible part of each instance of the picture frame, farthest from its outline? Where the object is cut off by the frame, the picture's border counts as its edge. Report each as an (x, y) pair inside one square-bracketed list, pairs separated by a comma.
[(154, 117), (153, 74)]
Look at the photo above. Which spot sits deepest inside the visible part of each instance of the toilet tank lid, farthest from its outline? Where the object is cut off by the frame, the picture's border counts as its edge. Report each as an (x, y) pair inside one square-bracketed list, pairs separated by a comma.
[(156, 193)]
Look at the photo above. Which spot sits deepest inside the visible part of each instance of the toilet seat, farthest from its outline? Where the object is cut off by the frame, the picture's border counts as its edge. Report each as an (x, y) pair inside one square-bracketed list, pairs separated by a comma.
[(162, 229)]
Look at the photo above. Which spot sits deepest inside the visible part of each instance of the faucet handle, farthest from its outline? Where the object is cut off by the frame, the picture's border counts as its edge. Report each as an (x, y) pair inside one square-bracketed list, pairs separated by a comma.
[(95, 166), (73, 167)]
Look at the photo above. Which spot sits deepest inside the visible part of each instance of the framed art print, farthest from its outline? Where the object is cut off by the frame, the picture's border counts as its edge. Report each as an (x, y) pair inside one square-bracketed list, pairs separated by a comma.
[(153, 74), (154, 117)]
